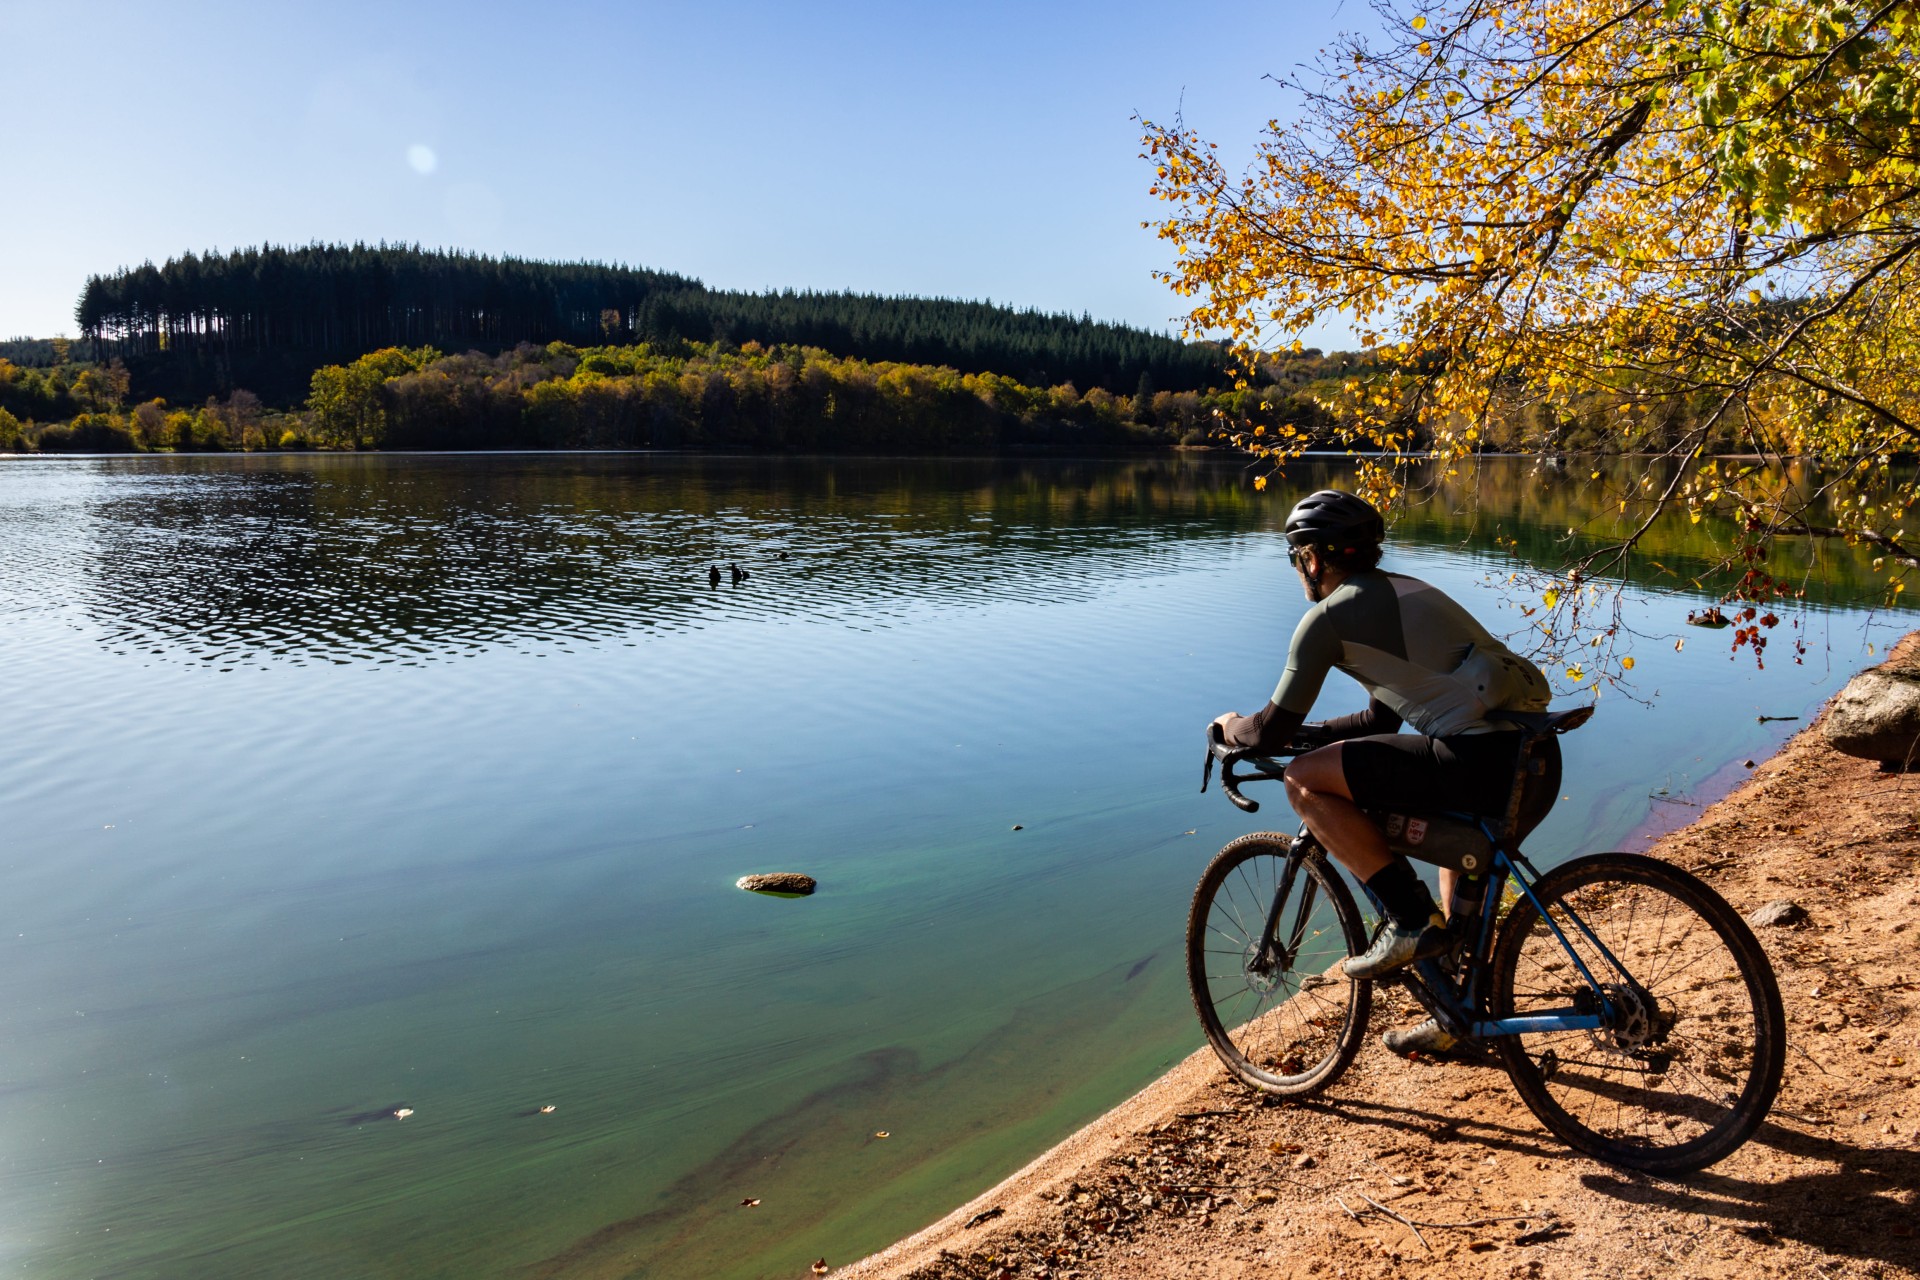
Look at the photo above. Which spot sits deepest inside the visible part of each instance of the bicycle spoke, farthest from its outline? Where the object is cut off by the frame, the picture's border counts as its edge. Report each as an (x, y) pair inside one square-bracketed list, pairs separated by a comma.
[(1688, 1062), (1259, 966)]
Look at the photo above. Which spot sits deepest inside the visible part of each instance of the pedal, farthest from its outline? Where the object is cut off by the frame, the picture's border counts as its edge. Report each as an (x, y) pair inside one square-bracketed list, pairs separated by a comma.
[(1425, 980)]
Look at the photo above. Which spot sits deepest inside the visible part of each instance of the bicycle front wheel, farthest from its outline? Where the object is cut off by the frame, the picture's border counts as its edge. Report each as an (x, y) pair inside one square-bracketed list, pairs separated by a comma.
[(1263, 956), (1690, 1065)]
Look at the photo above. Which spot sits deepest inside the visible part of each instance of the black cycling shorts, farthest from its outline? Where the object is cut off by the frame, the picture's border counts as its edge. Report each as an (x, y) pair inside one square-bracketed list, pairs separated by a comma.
[(1468, 773)]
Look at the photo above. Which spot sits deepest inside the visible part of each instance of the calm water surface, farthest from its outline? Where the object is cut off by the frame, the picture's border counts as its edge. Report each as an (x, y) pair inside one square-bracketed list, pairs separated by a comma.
[(341, 785)]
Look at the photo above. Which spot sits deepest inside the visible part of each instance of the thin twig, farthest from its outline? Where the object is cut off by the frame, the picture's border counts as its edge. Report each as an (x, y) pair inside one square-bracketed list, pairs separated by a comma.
[(1400, 1218), (1479, 1222)]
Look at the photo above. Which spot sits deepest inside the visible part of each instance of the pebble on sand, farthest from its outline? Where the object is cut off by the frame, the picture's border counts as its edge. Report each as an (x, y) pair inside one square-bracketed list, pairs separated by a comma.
[(1778, 914)]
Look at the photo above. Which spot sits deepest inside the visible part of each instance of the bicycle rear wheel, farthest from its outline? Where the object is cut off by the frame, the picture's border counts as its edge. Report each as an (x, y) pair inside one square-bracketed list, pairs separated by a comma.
[(1690, 1067), (1282, 1018)]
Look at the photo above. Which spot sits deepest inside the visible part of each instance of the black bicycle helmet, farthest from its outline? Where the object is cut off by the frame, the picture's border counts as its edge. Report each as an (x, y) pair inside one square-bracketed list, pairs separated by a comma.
[(1333, 518)]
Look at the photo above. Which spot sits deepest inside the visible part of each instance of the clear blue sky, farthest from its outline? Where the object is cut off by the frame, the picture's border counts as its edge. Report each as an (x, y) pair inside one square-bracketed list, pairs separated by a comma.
[(982, 150)]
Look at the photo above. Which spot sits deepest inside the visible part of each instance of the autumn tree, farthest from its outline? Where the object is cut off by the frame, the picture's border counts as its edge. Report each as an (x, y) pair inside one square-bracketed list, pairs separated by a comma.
[(345, 400), (101, 389), (1699, 215)]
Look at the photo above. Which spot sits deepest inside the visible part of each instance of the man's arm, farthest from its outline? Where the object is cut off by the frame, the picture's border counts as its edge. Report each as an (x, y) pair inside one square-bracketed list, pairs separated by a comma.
[(1267, 730), (1377, 718), (1272, 728)]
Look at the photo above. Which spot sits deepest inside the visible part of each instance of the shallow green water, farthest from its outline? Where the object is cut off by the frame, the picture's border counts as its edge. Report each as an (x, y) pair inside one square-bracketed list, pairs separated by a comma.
[(338, 785)]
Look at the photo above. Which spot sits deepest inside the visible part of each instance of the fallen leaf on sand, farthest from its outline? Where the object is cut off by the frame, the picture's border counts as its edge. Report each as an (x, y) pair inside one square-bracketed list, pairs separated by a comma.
[(749, 1202)]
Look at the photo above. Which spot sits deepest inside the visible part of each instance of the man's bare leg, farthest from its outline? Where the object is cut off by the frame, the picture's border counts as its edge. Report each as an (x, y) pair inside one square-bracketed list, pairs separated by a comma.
[(1317, 789)]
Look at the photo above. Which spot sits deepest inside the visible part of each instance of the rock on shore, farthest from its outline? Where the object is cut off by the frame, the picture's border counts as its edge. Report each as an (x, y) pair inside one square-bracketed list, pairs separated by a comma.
[(1877, 716)]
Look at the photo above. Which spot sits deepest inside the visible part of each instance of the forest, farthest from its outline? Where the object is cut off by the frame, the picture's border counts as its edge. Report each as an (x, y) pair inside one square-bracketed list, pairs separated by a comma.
[(265, 318), (762, 398), (679, 395)]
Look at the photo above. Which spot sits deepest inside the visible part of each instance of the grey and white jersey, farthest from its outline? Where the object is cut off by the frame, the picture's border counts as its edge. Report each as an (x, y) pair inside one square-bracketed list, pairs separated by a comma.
[(1415, 650)]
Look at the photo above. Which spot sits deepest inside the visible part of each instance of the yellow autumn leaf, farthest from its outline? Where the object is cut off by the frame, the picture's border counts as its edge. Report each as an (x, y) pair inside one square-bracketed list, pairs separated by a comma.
[(1626, 663), (1419, 22), (1552, 597), (1259, 482)]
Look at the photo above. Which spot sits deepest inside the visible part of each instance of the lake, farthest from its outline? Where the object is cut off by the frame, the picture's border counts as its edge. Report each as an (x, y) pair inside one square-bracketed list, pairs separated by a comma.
[(338, 786)]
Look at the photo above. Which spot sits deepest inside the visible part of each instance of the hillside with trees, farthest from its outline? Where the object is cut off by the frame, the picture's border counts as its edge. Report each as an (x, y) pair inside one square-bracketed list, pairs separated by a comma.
[(264, 319), (683, 395)]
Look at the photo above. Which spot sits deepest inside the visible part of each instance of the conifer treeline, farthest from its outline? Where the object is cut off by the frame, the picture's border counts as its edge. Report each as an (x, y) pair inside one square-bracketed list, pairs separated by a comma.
[(265, 318)]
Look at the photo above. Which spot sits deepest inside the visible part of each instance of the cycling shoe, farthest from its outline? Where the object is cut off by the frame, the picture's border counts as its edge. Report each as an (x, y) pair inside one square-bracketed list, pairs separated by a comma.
[(1427, 1038), (1397, 947)]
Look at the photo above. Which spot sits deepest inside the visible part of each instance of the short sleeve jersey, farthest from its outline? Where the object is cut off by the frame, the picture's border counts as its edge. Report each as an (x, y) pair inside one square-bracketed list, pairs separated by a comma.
[(1416, 650)]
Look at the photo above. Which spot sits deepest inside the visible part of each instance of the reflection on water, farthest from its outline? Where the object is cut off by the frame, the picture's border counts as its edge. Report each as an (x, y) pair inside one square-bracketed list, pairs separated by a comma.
[(387, 559), (344, 785), (408, 560)]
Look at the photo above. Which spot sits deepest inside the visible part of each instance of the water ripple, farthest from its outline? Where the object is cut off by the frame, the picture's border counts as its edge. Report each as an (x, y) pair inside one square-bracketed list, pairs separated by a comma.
[(420, 559)]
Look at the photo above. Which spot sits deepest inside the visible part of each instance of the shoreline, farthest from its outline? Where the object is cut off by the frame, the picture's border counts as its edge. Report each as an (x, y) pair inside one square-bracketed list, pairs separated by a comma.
[(1831, 1181)]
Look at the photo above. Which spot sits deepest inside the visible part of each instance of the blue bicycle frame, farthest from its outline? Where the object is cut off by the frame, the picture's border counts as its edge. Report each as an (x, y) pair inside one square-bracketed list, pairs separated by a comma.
[(1462, 1012)]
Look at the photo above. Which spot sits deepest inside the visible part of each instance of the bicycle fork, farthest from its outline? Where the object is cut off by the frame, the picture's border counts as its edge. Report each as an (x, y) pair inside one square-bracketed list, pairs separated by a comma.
[(1272, 952)]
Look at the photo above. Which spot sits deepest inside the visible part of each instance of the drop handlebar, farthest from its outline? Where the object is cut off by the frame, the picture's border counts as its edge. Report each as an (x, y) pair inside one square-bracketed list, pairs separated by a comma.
[(1268, 767)]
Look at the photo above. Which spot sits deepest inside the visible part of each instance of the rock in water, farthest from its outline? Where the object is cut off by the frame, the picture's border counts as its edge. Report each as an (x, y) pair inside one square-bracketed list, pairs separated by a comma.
[(1877, 716), (779, 882), (1778, 914)]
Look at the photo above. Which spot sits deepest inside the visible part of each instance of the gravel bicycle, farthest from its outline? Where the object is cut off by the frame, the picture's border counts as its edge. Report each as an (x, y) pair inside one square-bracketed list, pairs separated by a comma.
[(1632, 1008)]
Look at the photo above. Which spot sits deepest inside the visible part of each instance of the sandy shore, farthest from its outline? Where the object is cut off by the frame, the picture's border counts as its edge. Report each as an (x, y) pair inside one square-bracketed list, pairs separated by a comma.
[(1196, 1176)]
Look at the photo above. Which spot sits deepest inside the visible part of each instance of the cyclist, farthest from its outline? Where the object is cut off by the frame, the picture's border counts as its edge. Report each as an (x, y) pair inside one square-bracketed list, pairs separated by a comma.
[(1424, 663)]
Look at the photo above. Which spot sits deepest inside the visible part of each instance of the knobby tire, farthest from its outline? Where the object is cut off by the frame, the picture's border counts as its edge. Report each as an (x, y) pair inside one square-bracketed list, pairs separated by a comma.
[(1699, 1078), (1291, 1030)]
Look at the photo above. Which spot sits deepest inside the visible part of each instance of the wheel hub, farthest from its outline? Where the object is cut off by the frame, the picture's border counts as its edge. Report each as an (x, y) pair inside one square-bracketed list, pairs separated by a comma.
[(1264, 974), (1635, 1026)]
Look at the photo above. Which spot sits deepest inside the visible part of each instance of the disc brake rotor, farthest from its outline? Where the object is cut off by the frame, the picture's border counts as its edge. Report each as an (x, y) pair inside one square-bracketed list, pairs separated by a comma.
[(1634, 1028)]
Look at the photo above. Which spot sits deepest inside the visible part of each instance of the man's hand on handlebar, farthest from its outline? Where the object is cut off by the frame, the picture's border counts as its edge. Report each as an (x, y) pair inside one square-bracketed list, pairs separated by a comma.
[(1307, 737)]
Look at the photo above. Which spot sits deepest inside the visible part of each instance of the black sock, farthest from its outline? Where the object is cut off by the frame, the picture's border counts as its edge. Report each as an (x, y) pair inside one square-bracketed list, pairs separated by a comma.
[(1400, 892)]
